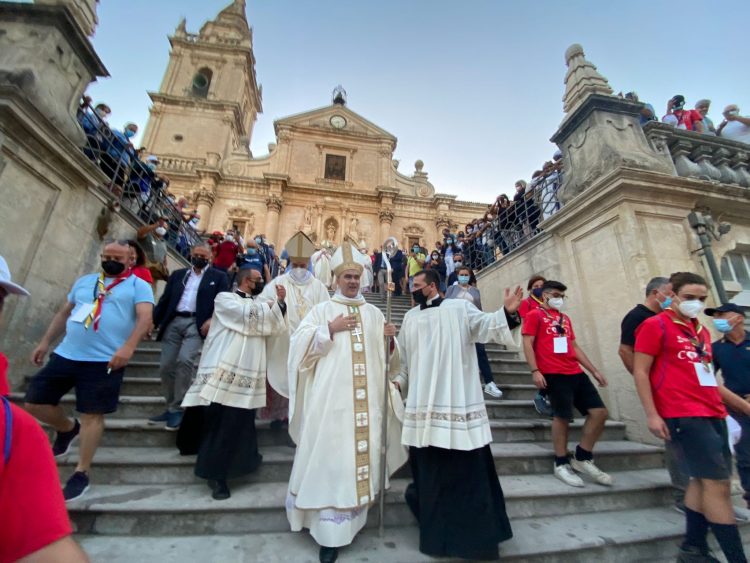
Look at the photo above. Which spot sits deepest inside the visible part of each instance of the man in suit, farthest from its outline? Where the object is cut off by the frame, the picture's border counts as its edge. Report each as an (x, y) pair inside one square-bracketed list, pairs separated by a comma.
[(183, 316)]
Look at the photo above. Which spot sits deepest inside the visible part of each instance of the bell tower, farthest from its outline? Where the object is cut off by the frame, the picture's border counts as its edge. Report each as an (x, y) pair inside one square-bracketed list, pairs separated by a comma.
[(209, 98)]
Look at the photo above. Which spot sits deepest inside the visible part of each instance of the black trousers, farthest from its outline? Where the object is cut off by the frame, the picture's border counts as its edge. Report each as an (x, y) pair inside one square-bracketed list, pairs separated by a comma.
[(457, 499), (484, 363)]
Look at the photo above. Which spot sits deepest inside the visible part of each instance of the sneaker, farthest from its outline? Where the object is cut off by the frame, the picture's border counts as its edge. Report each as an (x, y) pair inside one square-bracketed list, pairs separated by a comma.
[(679, 506), (741, 514), (566, 474), (174, 419), (588, 468), (542, 405), (64, 440), (692, 554), (159, 418), (76, 486), (493, 390)]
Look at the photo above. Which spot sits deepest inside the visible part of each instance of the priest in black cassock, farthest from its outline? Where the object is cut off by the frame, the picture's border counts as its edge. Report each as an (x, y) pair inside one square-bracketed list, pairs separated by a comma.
[(456, 495)]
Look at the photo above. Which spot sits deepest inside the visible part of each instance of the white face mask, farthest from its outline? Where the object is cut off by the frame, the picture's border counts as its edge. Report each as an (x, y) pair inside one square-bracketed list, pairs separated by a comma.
[(300, 275), (557, 303), (692, 308), (161, 231), (229, 238)]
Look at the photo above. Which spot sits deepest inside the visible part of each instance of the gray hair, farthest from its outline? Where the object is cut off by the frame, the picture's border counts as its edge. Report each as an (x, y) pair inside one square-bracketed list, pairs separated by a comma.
[(655, 283), (702, 102), (244, 273)]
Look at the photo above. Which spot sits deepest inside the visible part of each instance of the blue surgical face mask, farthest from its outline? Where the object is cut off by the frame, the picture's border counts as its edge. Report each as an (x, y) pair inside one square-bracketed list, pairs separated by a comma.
[(251, 251), (666, 303), (129, 133), (537, 292), (722, 325), (464, 280), (258, 240)]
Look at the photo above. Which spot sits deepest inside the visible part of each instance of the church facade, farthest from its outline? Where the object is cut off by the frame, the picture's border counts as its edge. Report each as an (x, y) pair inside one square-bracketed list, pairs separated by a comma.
[(331, 172)]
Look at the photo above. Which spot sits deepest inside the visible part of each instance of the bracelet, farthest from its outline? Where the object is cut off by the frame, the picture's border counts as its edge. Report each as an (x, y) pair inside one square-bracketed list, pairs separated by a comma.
[(535, 369)]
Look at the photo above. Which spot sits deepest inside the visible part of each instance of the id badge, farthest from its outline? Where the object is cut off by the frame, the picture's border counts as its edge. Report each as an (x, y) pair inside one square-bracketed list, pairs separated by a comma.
[(706, 376), (82, 313), (560, 344)]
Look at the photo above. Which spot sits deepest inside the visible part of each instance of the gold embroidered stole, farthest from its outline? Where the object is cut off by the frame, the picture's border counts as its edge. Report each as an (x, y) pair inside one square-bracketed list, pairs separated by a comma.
[(361, 408)]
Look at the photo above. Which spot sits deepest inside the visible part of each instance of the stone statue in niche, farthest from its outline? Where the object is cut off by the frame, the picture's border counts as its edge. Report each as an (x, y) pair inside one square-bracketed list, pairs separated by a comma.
[(331, 232), (354, 228), (308, 215)]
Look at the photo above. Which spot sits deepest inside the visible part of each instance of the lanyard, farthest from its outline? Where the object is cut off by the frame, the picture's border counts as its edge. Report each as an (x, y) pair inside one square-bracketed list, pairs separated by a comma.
[(100, 292), (559, 328), (699, 346), (8, 430)]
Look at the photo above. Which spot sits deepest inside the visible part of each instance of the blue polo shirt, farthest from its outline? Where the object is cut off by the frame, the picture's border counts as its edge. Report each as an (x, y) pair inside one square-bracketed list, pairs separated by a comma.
[(117, 321), (734, 362)]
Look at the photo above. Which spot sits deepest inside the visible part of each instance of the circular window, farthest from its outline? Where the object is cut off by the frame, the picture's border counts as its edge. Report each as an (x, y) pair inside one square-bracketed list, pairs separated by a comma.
[(178, 138)]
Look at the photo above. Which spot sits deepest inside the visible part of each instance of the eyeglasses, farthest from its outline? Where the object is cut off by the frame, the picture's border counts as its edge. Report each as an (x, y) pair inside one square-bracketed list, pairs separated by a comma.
[(121, 242)]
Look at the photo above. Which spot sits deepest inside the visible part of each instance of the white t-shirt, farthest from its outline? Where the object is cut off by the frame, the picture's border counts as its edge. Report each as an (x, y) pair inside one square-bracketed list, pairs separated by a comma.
[(736, 131)]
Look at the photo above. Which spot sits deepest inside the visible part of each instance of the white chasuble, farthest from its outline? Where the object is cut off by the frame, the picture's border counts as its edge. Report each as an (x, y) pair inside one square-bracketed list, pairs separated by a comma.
[(445, 404), (232, 370), (321, 264), (335, 413), (300, 299)]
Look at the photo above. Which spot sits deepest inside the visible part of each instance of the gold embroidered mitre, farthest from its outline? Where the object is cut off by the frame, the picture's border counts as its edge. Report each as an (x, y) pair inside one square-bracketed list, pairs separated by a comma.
[(347, 257), (300, 247)]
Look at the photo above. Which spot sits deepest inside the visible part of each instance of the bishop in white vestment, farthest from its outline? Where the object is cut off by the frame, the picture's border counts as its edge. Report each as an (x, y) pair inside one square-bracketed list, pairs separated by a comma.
[(321, 264), (231, 381), (456, 496), (336, 387), (303, 292)]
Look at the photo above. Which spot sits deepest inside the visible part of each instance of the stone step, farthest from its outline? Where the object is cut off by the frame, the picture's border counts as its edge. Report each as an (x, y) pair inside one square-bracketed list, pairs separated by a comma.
[(259, 507), (161, 466), (137, 432), (644, 534)]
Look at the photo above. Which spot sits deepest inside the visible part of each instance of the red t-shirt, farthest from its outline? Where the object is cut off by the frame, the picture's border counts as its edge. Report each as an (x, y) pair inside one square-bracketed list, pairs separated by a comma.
[(32, 508), (143, 273), (688, 117), (674, 381), (527, 305), (540, 323), (226, 252), (4, 388)]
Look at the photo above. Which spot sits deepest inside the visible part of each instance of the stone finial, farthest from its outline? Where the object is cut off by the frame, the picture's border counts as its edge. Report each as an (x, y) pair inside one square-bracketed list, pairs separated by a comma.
[(582, 79), (181, 27), (418, 165)]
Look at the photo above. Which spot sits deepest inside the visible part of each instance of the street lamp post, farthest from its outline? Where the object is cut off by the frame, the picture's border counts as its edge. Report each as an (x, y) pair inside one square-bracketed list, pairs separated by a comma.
[(703, 225)]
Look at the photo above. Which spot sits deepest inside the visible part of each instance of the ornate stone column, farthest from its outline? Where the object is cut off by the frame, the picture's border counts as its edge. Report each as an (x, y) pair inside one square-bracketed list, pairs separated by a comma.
[(274, 203), (204, 201), (386, 220), (319, 222), (441, 222)]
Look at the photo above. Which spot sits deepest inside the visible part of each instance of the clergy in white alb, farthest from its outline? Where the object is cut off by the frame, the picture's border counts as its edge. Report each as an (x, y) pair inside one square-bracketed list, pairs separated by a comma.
[(321, 265), (303, 292), (456, 496), (368, 278), (231, 382), (336, 388)]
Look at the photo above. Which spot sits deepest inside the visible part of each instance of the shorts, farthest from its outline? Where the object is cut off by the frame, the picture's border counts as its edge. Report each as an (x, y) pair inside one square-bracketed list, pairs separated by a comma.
[(97, 392), (701, 446), (568, 391)]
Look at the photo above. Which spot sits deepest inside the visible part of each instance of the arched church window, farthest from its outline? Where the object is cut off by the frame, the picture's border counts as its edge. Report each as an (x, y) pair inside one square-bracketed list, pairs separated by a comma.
[(201, 82)]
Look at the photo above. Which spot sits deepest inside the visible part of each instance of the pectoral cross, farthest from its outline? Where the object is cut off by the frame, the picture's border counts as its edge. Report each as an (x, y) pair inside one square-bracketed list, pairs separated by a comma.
[(358, 333)]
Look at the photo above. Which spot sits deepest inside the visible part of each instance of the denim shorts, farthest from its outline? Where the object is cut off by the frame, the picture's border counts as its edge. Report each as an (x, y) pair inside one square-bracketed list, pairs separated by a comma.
[(701, 446), (97, 392)]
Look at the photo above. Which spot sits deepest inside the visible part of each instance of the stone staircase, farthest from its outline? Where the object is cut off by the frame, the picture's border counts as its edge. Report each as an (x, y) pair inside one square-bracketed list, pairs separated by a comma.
[(146, 505)]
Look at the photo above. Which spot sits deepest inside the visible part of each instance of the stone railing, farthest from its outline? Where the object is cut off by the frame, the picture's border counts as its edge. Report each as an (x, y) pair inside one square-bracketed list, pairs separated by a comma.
[(705, 157), (178, 164)]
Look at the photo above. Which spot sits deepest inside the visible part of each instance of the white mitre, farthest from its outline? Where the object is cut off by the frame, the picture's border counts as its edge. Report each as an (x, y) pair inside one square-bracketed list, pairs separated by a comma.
[(347, 257), (300, 247)]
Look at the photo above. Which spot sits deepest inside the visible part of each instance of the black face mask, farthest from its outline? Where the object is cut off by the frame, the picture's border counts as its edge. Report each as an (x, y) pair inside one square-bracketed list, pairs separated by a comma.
[(258, 289), (113, 267), (199, 262), (419, 297)]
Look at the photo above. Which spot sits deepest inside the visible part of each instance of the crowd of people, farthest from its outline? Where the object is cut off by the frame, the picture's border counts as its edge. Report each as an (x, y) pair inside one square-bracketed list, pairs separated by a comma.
[(134, 176), (244, 340)]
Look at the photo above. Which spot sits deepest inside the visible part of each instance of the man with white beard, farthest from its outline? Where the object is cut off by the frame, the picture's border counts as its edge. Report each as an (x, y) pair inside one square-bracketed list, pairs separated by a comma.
[(303, 292), (336, 396)]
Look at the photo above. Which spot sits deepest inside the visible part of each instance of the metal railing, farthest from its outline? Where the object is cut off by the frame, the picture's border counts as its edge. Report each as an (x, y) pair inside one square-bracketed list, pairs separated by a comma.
[(135, 183), (509, 223)]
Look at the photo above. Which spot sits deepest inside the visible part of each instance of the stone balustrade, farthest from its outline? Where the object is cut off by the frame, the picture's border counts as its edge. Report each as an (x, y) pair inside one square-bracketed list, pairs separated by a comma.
[(180, 164), (704, 157)]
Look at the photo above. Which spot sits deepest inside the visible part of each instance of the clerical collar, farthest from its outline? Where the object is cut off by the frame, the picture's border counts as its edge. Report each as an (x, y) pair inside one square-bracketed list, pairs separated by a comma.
[(241, 293), (434, 302)]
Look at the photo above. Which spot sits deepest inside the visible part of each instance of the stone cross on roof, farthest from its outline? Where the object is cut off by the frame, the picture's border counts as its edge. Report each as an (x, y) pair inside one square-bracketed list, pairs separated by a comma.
[(582, 79)]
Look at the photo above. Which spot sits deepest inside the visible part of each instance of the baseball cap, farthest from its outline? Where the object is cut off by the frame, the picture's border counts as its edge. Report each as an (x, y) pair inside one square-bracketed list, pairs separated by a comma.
[(5, 281), (725, 308)]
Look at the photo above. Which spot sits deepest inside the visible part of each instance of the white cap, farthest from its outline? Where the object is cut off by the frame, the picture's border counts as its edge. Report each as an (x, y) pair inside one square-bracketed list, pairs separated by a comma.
[(5, 282)]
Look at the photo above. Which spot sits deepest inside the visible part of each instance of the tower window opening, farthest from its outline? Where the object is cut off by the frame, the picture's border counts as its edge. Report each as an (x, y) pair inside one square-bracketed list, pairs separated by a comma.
[(202, 82)]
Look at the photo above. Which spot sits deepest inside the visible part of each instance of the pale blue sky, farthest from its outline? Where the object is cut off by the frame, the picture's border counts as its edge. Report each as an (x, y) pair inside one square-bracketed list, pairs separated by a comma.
[(472, 87)]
